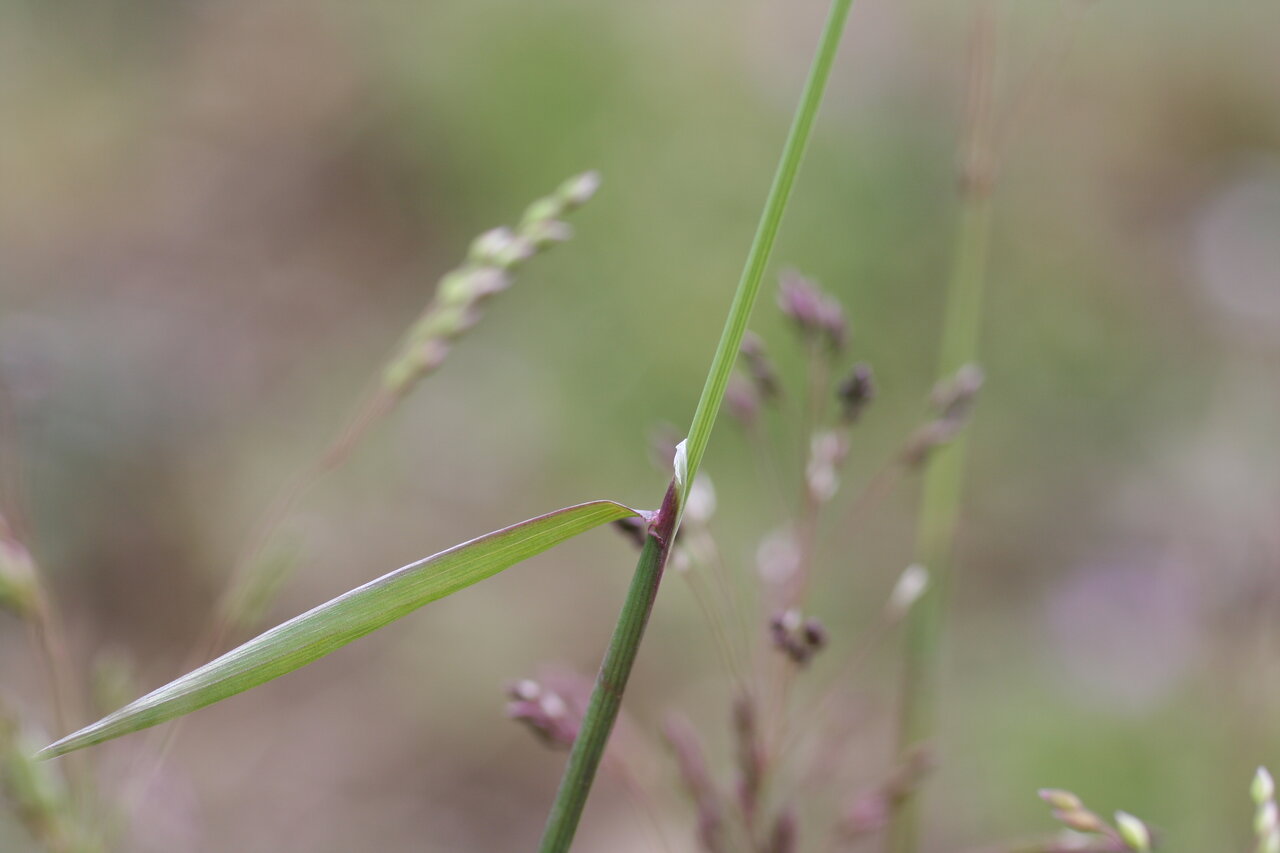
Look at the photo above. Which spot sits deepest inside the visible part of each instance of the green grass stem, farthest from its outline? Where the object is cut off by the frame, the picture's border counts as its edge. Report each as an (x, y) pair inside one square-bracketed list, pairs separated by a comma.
[(943, 476), (606, 698), (704, 417)]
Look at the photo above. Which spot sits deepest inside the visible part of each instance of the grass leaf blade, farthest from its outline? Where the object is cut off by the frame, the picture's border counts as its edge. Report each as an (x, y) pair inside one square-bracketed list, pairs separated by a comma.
[(348, 617), (744, 298)]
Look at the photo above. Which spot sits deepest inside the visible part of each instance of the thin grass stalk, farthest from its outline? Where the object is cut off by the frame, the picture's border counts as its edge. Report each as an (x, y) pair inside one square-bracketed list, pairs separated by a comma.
[(50, 638), (606, 698), (24, 588), (744, 299), (943, 476), (46, 627)]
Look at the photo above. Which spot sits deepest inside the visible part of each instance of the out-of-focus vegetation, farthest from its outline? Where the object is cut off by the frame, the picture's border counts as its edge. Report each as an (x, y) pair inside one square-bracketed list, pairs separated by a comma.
[(217, 218)]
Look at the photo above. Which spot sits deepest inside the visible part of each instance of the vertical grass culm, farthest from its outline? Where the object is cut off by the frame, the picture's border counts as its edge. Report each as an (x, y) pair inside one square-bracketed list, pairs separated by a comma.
[(606, 698), (943, 475)]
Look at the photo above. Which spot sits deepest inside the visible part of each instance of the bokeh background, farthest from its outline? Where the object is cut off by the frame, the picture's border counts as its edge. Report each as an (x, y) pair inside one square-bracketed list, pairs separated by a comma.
[(217, 217)]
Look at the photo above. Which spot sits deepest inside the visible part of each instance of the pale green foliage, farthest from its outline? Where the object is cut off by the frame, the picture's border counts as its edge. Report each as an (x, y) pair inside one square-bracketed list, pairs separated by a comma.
[(348, 617)]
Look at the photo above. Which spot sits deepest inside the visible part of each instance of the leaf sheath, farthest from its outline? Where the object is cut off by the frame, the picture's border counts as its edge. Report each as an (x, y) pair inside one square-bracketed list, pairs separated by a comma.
[(606, 698)]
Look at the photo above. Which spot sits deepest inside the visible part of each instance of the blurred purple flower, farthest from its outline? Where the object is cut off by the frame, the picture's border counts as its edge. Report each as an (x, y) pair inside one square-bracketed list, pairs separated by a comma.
[(1124, 629), (815, 313)]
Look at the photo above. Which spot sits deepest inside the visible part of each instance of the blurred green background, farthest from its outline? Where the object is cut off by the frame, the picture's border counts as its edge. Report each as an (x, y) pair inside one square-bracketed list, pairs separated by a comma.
[(217, 217)]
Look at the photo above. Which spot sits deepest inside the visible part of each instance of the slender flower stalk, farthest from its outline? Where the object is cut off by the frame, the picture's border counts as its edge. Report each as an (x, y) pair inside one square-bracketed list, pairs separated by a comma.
[(698, 783), (940, 502), (23, 592), (606, 699)]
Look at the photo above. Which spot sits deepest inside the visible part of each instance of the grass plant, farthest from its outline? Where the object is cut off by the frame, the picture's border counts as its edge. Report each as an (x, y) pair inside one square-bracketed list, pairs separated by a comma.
[(785, 712), (348, 617)]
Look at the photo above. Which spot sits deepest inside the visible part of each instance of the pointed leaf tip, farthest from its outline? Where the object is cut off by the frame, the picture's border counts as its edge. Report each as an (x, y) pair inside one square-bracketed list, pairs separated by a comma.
[(334, 624)]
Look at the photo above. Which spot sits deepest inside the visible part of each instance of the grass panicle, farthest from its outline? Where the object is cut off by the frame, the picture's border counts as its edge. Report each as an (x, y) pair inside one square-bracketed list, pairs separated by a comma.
[(1086, 830), (456, 307)]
